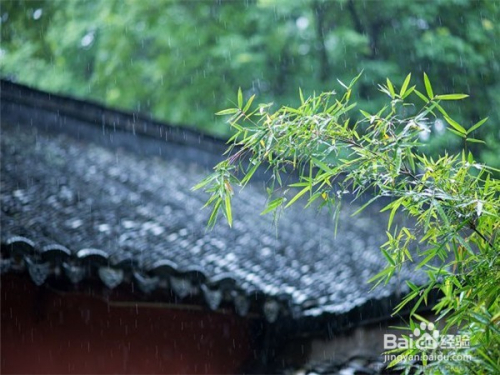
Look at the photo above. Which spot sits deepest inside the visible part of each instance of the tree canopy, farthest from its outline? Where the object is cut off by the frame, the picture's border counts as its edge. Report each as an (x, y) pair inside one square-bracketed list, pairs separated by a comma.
[(181, 60)]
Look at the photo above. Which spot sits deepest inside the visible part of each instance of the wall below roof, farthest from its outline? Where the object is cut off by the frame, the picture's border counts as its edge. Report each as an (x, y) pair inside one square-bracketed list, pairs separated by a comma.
[(45, 332)]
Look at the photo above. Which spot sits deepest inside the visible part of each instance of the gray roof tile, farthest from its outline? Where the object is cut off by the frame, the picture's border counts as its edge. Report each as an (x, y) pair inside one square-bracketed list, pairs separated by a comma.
[(73, 201)]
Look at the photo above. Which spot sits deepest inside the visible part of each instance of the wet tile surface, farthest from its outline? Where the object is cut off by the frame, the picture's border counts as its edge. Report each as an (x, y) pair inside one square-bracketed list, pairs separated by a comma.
[(70, 202)]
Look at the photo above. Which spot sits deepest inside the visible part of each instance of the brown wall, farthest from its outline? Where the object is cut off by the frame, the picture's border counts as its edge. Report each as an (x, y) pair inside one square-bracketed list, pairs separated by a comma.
[(43, 331)]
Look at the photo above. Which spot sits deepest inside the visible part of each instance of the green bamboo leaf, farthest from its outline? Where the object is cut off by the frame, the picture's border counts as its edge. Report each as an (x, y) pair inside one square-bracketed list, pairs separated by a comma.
[(428, 87), (299, 184), (393, 212), (365, 205), (273, 205), (301, 96), (391, 88), (215, 211), (441, 213), (384, 90), (426, 260), (412, 286), (410, 158), (227, 208), (229, 111), (474, 140), (388, 257), (405, 85), (298, 195), (417, 305), (355, 79), (464, 243), (477, 125), (366, 114), (495, 367), (480, 318), (249, 103), (322, 165), (342, 84), (441, 109), (382, 274), (240, 98), (456, 133), (408, 92), (455, 125), (451, 96), (204, 182), (249, 174), (421, 96)]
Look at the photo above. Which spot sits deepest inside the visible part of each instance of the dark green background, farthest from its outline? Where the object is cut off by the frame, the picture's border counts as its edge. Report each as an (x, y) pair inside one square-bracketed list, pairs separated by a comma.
[(184, 60)]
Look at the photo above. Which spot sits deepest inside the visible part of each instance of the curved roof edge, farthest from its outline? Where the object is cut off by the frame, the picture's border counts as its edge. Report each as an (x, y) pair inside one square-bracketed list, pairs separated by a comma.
[(103, 116)]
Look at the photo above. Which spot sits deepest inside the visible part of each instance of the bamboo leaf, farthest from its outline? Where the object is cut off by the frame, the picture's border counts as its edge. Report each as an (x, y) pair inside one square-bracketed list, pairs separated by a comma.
[(384, 273), (229, 111), (456, 133), (393, 212), (302, 101), (215, 211), (249, 174), (204, 182), (249, 103), (408, 92), (322, 165), (342, 84), (474, 140), (388, 257), (421, 96), (227, 208), (441, 109), (366, 114), (355, 79), (428, 87), (298, 195), (455, 125), (365, 205), (273, 205), (405, 85), (451, 96), (240, 98), (391, 88), (477, 125)]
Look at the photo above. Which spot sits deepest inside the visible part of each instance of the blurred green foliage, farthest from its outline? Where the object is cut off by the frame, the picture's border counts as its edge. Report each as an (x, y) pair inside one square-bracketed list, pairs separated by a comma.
[(181, 60)]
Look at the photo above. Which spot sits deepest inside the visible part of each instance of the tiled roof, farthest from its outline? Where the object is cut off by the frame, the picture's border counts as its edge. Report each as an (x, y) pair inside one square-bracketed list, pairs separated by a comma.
[(73, 198), (357, 365)]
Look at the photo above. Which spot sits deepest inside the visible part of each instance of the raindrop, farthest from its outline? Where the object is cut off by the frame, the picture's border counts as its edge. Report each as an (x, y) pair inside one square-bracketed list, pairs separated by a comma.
[(37, 14), (439, 126), (302, 23), (422, 24), (87, 39), (424, 135)]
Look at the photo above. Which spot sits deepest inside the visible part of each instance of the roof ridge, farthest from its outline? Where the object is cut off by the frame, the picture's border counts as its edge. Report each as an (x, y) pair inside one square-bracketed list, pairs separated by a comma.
[(101, 115)]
